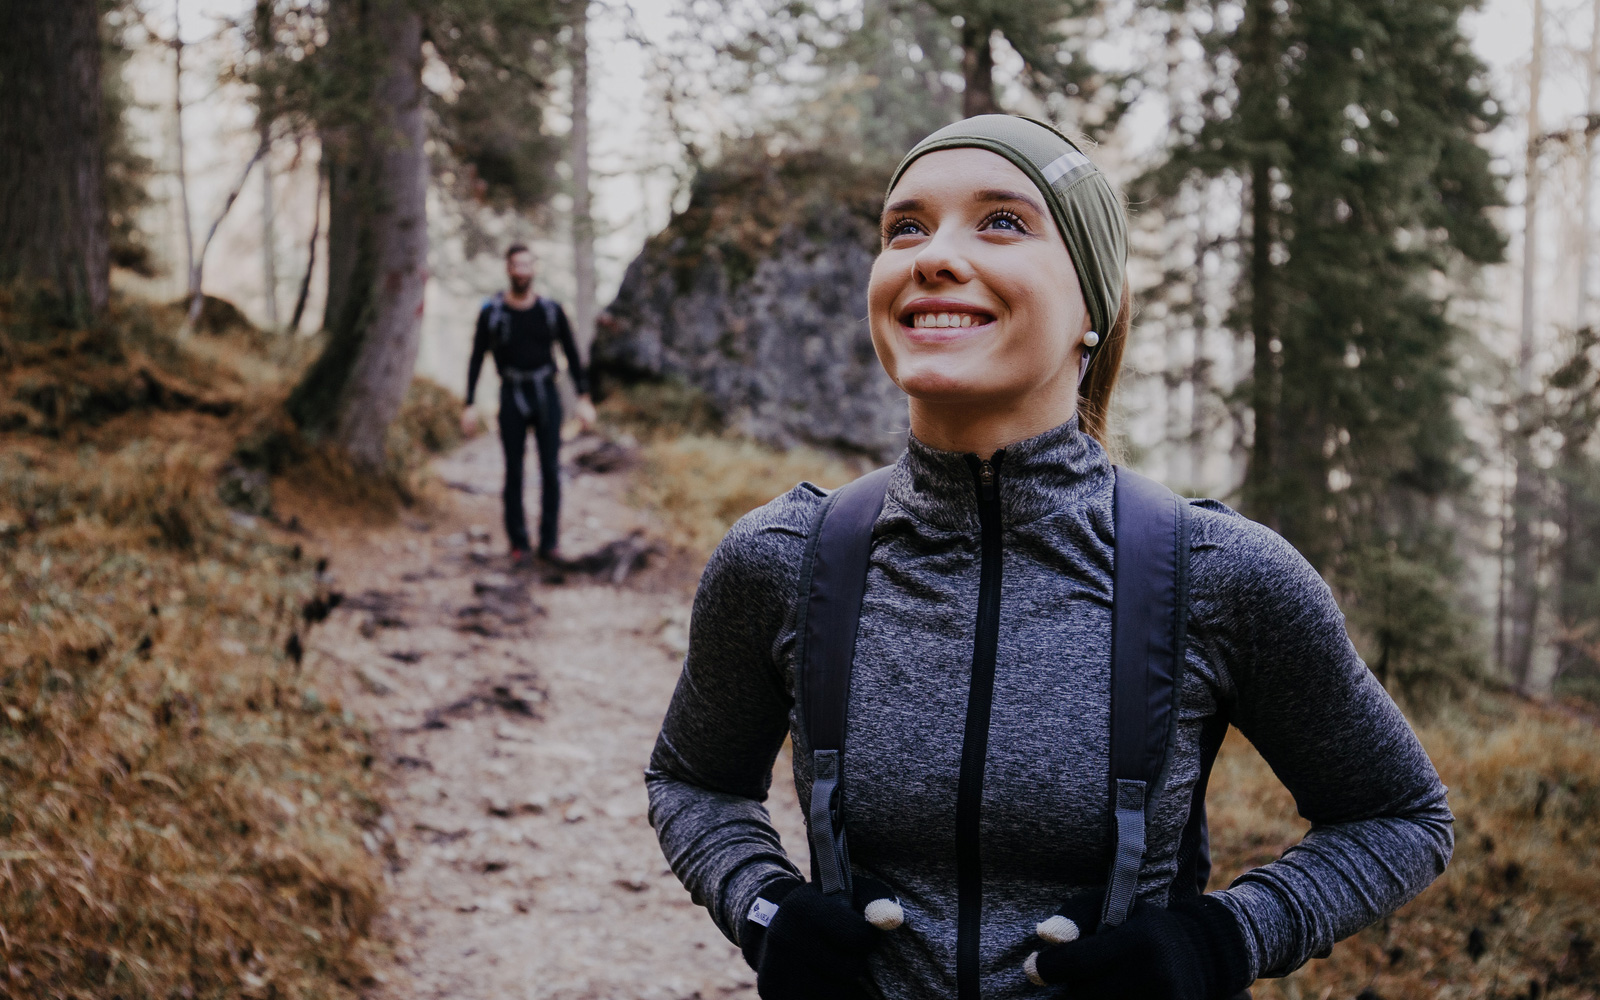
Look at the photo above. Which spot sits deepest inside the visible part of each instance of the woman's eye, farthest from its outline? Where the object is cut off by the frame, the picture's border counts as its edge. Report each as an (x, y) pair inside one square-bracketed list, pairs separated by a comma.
[(1005, 221), (902, 227)]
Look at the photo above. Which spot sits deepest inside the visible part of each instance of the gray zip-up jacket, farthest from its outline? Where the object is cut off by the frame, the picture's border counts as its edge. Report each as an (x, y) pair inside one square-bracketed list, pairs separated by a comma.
[(1267, 652)]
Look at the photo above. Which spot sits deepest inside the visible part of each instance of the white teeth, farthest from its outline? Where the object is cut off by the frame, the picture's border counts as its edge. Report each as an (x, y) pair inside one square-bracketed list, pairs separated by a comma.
[(941, 320)]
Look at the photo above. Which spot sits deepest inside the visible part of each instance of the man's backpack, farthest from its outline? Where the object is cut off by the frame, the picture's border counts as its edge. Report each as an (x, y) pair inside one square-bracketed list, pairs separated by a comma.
[(1149, 620)]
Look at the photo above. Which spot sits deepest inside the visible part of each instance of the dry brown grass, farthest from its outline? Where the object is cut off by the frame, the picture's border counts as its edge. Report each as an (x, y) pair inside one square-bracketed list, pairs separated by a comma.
[(701, 483), (318, 485), (698, 478), (1515, 913), (429, 424), (181, 814)]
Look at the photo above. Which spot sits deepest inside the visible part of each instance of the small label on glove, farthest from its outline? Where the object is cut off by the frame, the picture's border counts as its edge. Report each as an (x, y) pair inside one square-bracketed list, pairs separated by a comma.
[(762, 911)]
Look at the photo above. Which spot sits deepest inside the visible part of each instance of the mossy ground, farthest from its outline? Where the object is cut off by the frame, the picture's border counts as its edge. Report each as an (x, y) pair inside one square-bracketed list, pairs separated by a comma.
[(182, 813)]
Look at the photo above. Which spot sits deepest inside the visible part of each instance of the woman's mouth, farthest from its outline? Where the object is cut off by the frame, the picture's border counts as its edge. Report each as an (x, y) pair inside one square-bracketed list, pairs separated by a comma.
[(927, 317)]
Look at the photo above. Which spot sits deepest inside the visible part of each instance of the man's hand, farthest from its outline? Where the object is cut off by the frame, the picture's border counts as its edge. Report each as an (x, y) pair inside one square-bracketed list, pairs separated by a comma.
[(586, 414), (469, 421)]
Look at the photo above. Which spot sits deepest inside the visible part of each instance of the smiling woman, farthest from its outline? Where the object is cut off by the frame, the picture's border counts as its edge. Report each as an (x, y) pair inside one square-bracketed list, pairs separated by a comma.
[(1007, 665), (967, 303), (967, 247)]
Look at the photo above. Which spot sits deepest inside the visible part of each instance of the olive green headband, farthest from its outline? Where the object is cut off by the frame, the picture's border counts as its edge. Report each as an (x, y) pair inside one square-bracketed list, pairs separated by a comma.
[(1086, 210)]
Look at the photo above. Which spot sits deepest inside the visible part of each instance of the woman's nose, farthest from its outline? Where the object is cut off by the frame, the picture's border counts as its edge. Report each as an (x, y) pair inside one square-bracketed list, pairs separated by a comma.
[(940, 260)]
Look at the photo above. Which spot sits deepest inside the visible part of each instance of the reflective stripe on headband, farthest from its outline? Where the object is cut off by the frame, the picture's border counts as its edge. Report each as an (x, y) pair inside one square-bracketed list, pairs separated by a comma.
[(1065, 164)]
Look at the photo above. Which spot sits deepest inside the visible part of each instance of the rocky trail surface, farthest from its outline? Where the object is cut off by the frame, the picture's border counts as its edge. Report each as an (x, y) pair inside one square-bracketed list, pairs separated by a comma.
[(514, 713)]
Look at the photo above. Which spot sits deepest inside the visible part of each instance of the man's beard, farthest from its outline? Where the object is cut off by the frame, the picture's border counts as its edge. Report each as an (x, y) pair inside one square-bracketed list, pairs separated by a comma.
[(520, 285)]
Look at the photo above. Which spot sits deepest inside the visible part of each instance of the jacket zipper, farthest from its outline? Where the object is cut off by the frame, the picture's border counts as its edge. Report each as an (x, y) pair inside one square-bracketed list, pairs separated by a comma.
[(975, 741)]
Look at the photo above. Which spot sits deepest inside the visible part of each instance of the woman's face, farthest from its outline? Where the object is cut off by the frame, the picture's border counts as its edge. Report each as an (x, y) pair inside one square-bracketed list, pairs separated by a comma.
[(974, 299)]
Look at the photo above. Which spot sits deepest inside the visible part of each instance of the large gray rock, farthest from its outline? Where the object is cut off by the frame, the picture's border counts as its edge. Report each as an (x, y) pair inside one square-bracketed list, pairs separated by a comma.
[(755, 295)]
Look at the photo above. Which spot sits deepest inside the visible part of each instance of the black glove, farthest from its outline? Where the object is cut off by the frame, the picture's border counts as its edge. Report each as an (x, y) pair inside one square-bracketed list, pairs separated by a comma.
[(816, 946), (1191, 950)]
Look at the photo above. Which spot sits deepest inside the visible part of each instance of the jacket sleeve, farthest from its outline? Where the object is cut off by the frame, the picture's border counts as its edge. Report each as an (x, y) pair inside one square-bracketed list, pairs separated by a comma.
[(1381, 830), (712, 764), (480, 346), (580, 377)]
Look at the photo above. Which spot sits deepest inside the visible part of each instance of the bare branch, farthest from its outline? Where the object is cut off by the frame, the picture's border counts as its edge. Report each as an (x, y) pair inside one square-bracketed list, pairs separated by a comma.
[(196, 298)]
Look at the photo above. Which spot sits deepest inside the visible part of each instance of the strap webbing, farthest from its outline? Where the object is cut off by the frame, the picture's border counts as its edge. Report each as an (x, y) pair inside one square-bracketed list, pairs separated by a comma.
[(833, 582), (1128, 818), (1151, 558)]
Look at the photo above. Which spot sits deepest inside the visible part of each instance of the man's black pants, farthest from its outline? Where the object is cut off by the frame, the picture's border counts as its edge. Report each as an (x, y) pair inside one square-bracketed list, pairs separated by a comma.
[(544, 419)]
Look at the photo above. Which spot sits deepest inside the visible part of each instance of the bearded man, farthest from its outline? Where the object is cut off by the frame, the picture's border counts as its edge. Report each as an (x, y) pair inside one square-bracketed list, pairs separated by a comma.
[(521, 329)]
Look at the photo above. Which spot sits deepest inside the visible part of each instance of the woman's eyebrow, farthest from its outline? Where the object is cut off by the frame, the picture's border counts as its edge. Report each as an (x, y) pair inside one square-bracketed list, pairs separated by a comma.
[(996, 194), (985, 196)]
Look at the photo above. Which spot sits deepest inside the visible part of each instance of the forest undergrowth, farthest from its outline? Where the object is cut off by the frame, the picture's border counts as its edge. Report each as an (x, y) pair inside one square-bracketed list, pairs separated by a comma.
[(1512, 917), (182, 814)]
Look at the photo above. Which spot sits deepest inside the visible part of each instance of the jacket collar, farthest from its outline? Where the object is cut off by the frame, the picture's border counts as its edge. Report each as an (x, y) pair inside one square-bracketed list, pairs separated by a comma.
[(1038, 476)]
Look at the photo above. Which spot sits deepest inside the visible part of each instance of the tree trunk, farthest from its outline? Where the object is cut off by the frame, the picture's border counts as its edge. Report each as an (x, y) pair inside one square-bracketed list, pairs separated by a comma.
[(311, 256), (52, 160), (342, 167), (1258, 86), (269, 221), (1578, 642), (1200, 374), (269, 230), (582, 213), (1502, 584), (380, 176), (1586, 196), (1524, 585), (977, 66), (181, 169), (1261, 478), (197, 272)]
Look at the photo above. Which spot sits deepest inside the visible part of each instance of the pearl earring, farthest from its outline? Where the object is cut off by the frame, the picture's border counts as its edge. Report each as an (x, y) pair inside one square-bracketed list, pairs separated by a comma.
[(1090, 339)]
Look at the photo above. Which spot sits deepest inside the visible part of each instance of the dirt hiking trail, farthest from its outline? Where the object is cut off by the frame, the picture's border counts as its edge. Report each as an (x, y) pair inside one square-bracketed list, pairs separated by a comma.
[(514, 714)]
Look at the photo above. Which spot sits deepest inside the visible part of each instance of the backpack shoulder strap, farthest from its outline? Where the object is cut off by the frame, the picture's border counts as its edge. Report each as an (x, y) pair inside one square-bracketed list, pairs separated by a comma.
[(833, 580), (1149, 623), (551, 309), (499, 322)]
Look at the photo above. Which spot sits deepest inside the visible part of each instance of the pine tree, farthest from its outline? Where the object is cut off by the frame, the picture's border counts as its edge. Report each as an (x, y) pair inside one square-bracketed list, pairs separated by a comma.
[(351, 71), (1571, 405), (1353, 126), (875, 78), (1052, 57), (377, 234)]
